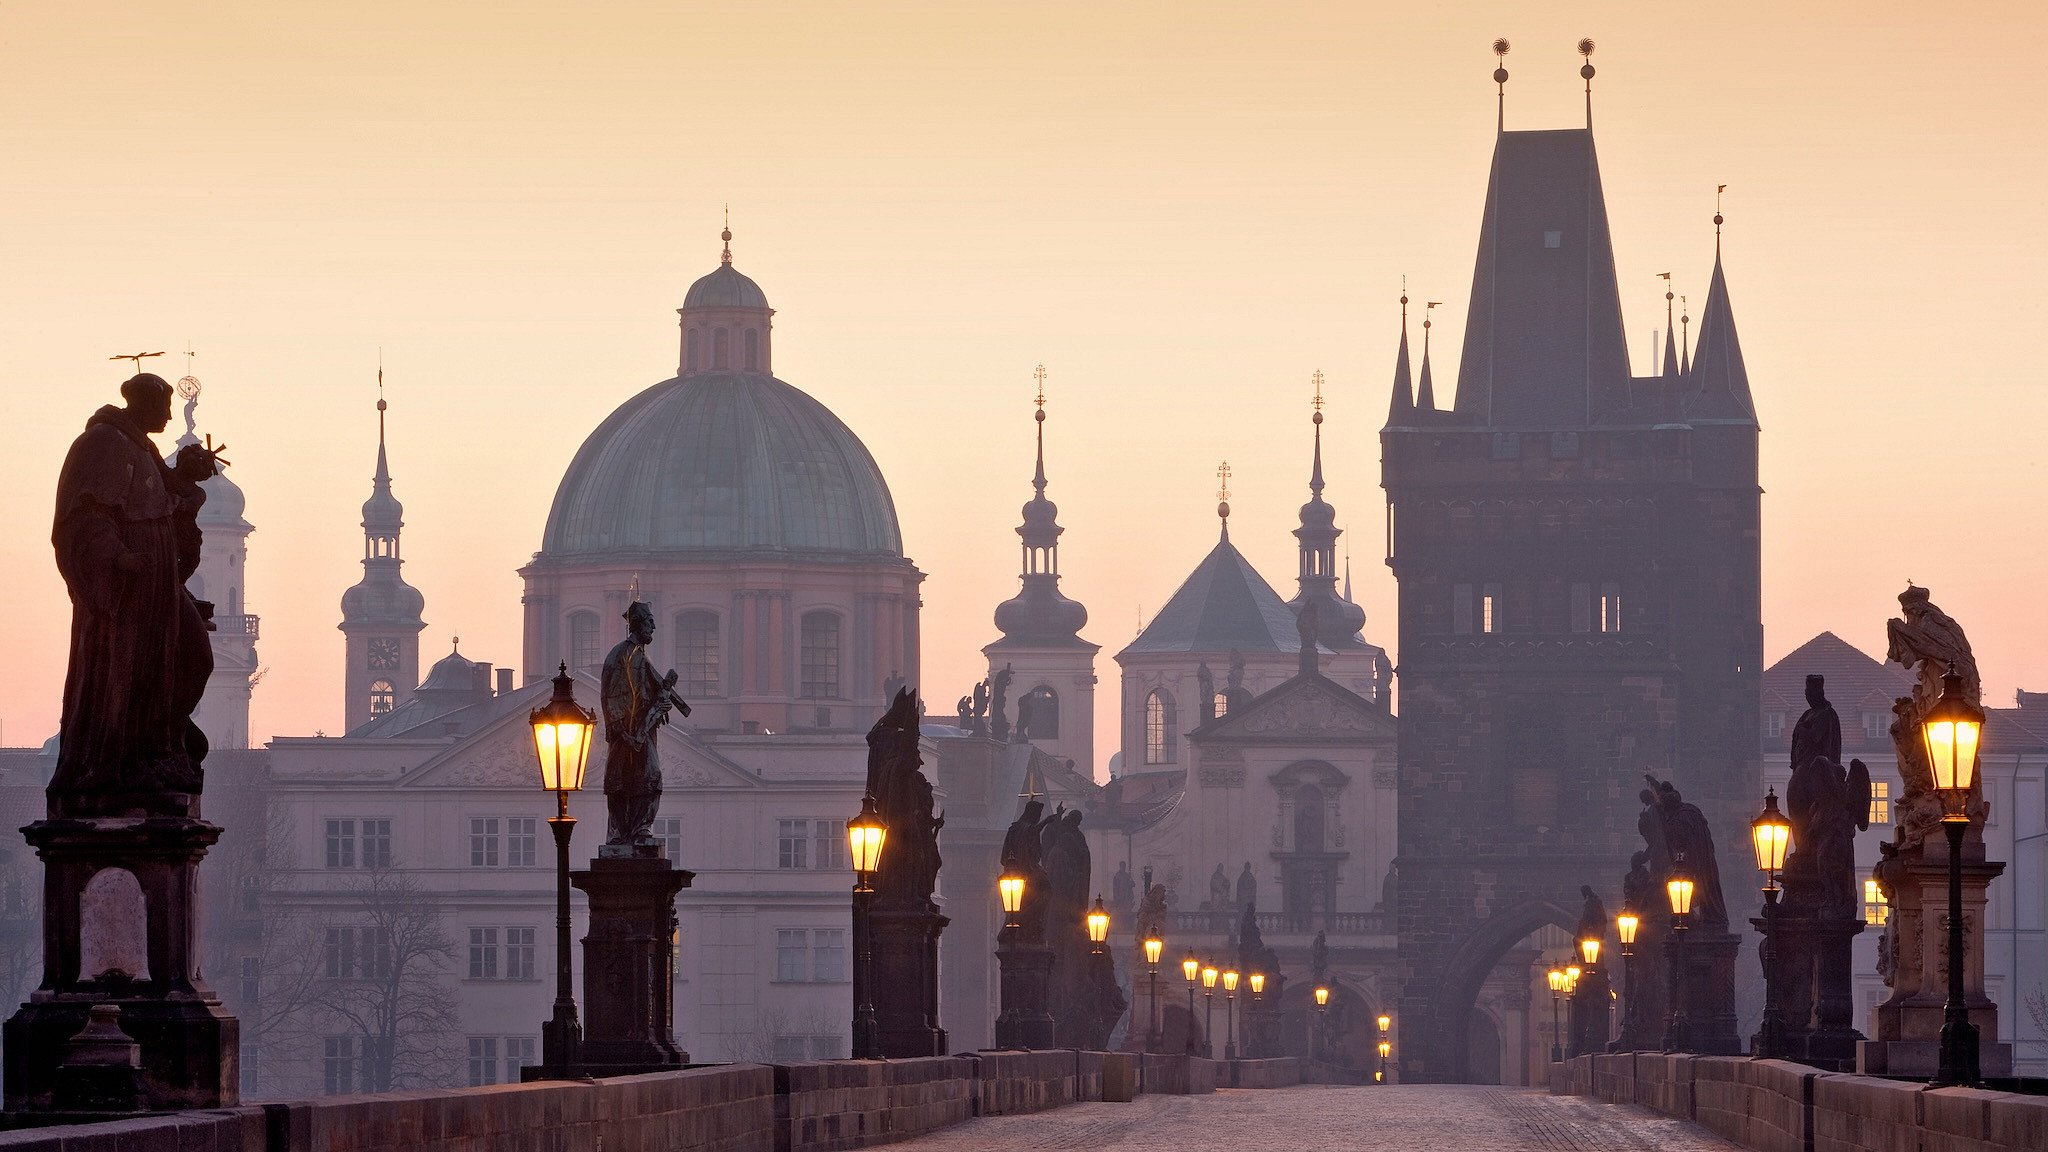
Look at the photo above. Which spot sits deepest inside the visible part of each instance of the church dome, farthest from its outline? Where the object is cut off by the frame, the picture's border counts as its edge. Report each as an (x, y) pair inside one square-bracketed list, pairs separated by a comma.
[(721, 461), (725, 287), (379, 602), (454, 671), (225, 502)]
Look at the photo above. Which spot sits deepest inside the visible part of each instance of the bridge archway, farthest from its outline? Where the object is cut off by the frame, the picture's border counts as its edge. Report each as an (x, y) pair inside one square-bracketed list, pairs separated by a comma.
[(1440, 1006)]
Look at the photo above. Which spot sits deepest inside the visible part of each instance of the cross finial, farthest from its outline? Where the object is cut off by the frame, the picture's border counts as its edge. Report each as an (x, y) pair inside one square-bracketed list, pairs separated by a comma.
[(1223, 480), (1426, 307), (458, 644), (1039, 376), (726, 235), (1316, 378)]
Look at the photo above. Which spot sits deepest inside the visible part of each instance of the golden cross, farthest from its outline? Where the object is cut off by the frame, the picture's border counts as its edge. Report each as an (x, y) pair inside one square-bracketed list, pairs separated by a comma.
[(1317, 379), (1040, 376), (137, 357), (1223, 480)]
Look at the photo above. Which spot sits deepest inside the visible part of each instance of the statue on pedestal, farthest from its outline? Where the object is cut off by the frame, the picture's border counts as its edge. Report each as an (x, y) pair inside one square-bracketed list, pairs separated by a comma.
[(637, 702), (1931, 643), (904, 924)]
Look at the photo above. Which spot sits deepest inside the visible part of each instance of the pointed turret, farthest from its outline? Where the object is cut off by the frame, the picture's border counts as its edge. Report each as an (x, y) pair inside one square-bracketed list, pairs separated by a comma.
[(1720, 382), (1336, 621), (381, 614), (1425, 394), (1403, 405), (1039, 615), (1670, 333)]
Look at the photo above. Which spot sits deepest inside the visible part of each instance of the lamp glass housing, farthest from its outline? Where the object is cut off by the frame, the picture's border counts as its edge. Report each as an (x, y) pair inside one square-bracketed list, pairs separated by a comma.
[(1230, 981), (561, 737), (1153, 947), (1322, 996), (1589, 950), (1951, 730), (1625, 926), (1258, 980), (1386, 1049), (865, 835), (1098, 923), (1011, 888), (1770, 834), (1209, 975), (1679, 890), (1191, 968), (1385, 1022), (1556, 976)]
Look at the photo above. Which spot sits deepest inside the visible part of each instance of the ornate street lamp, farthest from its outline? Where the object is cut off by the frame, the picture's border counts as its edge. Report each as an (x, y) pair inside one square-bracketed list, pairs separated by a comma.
[(1230, 978), (1153, 947), (1192, 969), (1322, 1021), (1258, 980), (865, 835), (1098, 925), (1379, 1075), (1010, 889), (1770, 834), (1678, 890), (1556, 978), (561, 743), (1385, 1022), (1951, 730), (1625, 926), (1209, 975)]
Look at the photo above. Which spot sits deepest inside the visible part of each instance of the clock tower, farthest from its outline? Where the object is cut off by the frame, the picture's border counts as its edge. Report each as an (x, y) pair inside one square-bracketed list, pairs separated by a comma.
[(381, 614)]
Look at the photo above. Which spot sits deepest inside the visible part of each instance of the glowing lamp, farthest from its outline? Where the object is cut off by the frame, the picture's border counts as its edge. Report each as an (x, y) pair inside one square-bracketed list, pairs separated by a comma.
[(1209, 975), (1229, 981), (1153, 947), (1625, 926), (1386, 1049), (1191, 968), (1011, 888), (1098, 924), (1385, 1022), (1950, 730), (1322, 996), (1589, 950), (864, 836), (1258, 984), (1770, 834), (561, 738), (1556, 976)]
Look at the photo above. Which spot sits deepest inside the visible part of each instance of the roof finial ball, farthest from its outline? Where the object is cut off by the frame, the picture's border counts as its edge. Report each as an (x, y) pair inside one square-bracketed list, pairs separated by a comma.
[(1500, 48), (1586, 50)]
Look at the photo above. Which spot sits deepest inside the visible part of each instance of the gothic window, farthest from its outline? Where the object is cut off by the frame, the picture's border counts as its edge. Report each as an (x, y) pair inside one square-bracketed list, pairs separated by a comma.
[(1159, 727), (697, 653), (1490, 609), (820, 655), (1219, 704), (753, 350), (1610, 607), (1045, 712), (583, 641), (718, 343), (1308, 818), (383, 654), (382, 697)]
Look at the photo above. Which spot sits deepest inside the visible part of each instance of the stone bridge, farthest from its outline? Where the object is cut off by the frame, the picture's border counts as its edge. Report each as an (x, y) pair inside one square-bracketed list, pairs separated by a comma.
[(1109, 1102)]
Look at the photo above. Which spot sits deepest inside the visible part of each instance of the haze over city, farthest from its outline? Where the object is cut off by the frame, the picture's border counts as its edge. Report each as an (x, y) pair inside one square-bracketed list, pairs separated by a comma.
[(1182, 212)]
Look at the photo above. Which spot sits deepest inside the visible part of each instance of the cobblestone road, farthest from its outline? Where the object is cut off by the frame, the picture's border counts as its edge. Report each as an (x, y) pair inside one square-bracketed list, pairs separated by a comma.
[(1327, 1119)]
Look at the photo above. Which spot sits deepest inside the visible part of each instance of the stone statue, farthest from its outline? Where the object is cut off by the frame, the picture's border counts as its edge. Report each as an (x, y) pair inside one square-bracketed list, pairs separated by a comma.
[(1067, 866), (637, 702), (1319, 960), (999, 702), (979, 704), (1205, 683), (1819, 731), (1690, 841), (1235, 694), (1122, 889), (1592, 916), (1931, 643), (1150, 921), (1024, 855), (1827, 807), (903, 798), (1889, 871), (1219, 890), (1247, 887), (1638, 889), (1085, 1000), (1305, 628), (1025, 709), (965, 717), (1252, 953), (127, 538), (893, 685)]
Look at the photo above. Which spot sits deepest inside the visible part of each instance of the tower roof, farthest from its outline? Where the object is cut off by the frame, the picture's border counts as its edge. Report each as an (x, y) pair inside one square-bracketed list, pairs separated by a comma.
[(1720, 381), (1544, 332), (382, 513), (1039, 615), (725, 286), (1223, 604)]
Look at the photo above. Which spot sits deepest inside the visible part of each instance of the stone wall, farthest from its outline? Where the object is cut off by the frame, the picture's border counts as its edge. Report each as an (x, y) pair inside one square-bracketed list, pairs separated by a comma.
[(1775, 1106), (839, 1104)]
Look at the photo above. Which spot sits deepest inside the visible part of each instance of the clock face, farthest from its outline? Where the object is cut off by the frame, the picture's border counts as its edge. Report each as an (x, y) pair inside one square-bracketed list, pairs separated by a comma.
[(384, 655)]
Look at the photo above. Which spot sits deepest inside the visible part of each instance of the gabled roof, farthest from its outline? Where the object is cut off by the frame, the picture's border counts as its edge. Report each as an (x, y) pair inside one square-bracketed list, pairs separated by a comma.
[(1223, 605), (1852, 676), (1306, 708)]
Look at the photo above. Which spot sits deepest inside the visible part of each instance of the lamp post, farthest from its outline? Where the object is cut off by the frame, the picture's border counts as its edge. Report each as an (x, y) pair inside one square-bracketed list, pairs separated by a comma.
[(1192, 969), (1025, 966), (1678, 890), (1209, 975), (865, 835), (1770, 834), (1153, 947), (1322, 1018), (1625, 926), (1386, 1047), (561, 743), (1950, 730), (1556, 977), (1230, 978), (1256, 1043), (1098, 926)]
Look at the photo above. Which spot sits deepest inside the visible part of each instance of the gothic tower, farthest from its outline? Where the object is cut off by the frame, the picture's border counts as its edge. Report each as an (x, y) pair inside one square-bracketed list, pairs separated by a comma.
[(1052, 666), (1577, 555), (380, 616)]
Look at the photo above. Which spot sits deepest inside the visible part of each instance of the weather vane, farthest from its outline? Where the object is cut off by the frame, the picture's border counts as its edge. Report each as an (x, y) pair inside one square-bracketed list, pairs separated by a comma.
[(137, 357)]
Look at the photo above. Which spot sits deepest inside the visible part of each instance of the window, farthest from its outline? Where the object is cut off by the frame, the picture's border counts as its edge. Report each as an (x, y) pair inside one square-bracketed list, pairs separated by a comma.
[(1044, 706), (1461, 609), (1553, 238), (483, 842), (483, 1060), (690, 351), (753, 347), (1582, 608), (519, 953), (1489, 609), (382, 698), (1610, 608), (1880, 802), (792, 954), (1159, 727), (1873, 725), (669, 830), (522, 840), (341, 843), (1308, 819), (820, 655), (251, 1057), (1774, 725), (792, 842), (252, 983), (697, 653), (583, 642), (341, 954), (828, 955), (830, 847), (338, 1064), (483, 953), (718, 348), (358, 953), (518, 1054), (1219, 704), (376, 843), (1876, 909)]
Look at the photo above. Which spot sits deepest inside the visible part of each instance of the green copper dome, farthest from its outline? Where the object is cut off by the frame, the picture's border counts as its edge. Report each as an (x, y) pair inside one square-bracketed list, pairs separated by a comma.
[(721, 461)]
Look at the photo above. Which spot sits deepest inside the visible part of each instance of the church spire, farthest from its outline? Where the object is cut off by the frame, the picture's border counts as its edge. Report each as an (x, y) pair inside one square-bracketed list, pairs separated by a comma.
[(1404, 386), (380, 615), (1039, 615), (1425, 393), (1684, 338), (1670, 331), (1316, 604), (1721, 385)]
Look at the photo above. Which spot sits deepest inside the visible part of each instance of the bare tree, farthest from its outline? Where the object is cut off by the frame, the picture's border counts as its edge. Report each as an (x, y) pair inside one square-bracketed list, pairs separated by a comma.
[(770, 1024), (21, 926), (383, 959), (262, 954), (2037, 1010)]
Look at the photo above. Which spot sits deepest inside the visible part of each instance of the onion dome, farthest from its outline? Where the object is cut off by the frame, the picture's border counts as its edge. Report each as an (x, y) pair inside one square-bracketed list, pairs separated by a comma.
[(1336, 620), (1039, 616)]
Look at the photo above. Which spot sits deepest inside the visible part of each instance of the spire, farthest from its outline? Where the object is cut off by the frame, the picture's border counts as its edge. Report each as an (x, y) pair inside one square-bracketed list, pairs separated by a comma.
[(1425, 393), (1670, 331), (1684, 338), (1586, 73), (1404, 387), (1315, 474), (1319, 612), (1039, 616), (1347, 575), (1223, 499), (725, 234), (1500, 79), (1038, 477), (383, 515), (1722, 380)]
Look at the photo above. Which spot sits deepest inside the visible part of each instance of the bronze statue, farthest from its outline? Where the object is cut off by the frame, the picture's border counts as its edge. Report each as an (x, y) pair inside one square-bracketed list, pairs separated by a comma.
[(127, 539), (1691, 842), (903, 798), (637, 703), (1819, 730), (1024, 855), (1827, 807)]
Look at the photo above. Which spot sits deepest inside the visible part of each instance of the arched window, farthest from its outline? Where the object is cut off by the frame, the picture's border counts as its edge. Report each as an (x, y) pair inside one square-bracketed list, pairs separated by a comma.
[(819, 655), (718, 348), (690, 351), (1159, 727), (697, 653), (1042, 704), (1308, 818), (382, 698), (583, 641), (1221, 703), (753, 349)]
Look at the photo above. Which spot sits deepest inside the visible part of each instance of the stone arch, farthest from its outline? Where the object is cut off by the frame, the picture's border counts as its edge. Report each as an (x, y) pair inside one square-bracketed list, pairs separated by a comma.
[(1456, 994)]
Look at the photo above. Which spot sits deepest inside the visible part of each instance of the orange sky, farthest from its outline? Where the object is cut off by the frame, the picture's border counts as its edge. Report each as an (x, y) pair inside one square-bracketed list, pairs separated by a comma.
[(1181, 209)]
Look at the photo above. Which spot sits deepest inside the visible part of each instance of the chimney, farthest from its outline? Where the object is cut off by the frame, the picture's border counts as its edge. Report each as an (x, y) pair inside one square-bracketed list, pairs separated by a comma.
[(504, 681)]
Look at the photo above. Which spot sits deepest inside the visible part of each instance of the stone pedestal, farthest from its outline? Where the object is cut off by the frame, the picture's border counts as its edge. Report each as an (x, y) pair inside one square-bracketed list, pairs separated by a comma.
[(1590, 1008), (120, 929), (1642, 997), (905, 970), (1026, 974), (1261, 1036), (629, 965), (1707, 978), (1907, 1026), (1811, 984)]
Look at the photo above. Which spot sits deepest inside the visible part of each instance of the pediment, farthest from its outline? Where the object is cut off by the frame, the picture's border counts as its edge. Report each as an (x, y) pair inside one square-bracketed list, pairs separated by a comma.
[(1305, 708), (501, 756)]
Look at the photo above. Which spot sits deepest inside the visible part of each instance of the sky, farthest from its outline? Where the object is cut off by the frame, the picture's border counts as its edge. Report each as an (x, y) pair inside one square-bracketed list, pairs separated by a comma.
[(1182, 210)]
